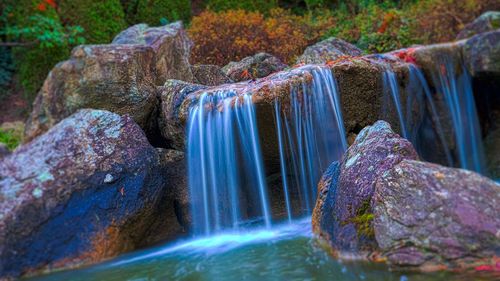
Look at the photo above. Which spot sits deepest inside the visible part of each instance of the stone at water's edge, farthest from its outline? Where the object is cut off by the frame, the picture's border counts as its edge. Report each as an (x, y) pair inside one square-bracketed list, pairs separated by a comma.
[(328, 50), (172, 95), (256, 66), (482, 54), (86, 190), (343, 215), (209, 75), (171, 45), (433, 217), (488, 21), (118, 78)]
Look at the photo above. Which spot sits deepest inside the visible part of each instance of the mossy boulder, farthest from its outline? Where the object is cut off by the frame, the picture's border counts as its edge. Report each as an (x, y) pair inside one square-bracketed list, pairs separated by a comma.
[(86, 190), (343, 215)]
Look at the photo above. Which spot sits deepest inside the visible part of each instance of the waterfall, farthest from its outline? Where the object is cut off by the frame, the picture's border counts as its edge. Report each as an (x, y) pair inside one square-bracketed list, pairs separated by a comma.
[(448, 114), (227, 177)]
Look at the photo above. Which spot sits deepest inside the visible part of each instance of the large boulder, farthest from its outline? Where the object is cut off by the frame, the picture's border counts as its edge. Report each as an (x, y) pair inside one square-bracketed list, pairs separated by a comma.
[(256, 66), (343, 214), (488, 21), (328, 50), (171, 45), (209, 75), (482, 53), (86, 190), (434, 217), (118, 78)]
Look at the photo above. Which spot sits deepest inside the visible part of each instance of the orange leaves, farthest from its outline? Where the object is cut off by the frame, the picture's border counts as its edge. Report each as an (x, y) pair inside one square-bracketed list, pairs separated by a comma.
[(232, 35)]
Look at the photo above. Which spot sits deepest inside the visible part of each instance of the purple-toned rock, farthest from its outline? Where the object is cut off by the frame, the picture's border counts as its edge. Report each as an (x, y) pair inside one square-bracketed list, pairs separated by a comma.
[(481, 54), (434, 217), (328, 50), (117, 78), (344, 216), (488, 21), (4, 151), (86, 190), (171, 45), (256, 66)]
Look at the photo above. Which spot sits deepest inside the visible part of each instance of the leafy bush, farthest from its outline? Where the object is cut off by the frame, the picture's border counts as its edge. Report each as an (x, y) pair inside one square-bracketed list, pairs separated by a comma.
[(234, 34), (441, 20), (263, 6), (101, 20), (6, 71), (156, 12)]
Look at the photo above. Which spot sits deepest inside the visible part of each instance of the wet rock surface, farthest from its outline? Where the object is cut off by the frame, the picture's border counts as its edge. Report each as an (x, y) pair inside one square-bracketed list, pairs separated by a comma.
[(343, 215), (434, 217), (86, 190), (328, 50), (257, 66)]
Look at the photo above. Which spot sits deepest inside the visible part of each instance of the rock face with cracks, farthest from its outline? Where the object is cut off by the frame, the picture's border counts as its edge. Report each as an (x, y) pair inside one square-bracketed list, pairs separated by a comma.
[(343, 214), (86, 190), (433, 217)]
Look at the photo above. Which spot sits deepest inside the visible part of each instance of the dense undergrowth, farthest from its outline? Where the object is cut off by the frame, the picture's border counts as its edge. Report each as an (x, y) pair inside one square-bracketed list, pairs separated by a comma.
[(223, 30)]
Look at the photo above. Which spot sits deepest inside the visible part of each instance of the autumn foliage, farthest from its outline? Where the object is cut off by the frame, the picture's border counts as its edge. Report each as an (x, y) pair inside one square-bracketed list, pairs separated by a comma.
[(232, 35)]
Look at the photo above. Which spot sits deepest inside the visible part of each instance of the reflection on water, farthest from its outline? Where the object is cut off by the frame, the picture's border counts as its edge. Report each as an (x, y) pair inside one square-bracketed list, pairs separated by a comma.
[(285, 252)]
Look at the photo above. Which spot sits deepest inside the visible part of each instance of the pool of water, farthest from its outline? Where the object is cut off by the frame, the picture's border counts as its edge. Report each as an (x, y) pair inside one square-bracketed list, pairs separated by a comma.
[(285, 252)]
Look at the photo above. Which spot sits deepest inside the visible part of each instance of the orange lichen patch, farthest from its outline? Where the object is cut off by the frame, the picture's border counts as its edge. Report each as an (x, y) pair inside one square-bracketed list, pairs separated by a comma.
[(106, 244)]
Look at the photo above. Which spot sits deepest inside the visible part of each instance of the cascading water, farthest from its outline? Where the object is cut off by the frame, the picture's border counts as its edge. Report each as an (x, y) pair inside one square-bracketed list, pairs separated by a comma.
[(457, 109), (226, 171)]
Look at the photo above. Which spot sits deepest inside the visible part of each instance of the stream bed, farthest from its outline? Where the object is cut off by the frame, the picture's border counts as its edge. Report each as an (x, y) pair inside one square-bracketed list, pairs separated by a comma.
[(284, 252)]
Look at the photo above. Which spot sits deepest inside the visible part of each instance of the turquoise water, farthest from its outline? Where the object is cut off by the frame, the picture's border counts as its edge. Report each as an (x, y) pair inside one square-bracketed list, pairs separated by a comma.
[(286, 252)]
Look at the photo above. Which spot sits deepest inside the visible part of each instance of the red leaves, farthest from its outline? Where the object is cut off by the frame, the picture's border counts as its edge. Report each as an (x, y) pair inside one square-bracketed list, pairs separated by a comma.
[(246, 74), (407, 55), (388, 18), (42, 6)]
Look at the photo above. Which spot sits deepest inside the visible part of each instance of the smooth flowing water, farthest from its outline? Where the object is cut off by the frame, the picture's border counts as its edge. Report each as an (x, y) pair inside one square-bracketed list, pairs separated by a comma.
[(284, 252), (445, 114), (227, 177)]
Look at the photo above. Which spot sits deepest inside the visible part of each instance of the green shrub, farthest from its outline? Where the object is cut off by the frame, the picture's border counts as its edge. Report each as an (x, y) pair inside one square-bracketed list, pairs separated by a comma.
[(263, 6), (158, 12), (101, 20)]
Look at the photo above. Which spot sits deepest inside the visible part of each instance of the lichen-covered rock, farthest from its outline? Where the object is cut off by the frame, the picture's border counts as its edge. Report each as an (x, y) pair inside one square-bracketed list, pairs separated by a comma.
[(482, 53), (488, 21), (328, 50), (172, 95), (343, 215), (434, 217), (257, 66), (171, 45), (209, 75), (84, 191), (118, 78)]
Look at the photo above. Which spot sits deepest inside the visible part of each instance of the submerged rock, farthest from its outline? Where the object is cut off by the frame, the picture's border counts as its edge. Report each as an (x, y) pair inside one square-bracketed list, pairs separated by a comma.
[(343, 214), (434, 217), (488, 21), (209, 75), (86, 190), (328, 50), (257, 66), (171, 45), (118, 78)]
